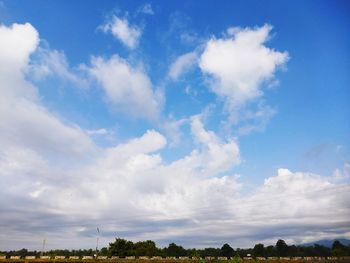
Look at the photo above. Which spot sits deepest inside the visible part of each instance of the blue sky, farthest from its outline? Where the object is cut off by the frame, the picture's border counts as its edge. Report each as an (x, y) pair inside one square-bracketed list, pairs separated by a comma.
[(186, 117)]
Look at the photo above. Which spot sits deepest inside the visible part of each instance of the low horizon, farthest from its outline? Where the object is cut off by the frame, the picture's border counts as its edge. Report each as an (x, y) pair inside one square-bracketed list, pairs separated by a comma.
[(193, 122)]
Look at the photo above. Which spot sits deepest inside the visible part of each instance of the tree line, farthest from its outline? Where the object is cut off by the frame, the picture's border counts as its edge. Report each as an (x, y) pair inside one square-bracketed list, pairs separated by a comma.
[(122, 248)]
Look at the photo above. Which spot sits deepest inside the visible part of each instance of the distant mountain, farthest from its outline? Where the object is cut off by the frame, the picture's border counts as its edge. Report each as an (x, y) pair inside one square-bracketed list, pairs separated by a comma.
[(328, 242)]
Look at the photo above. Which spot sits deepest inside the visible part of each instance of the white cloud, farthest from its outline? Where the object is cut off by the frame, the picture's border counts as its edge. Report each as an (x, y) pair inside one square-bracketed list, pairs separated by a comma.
[(23, 120), (30, 125), (255, 120), (120, 28), (101, 131), (36, 147), (172, 129), (182, 64), (20, 37), (47, 62), (31, 138), (184, 200), (128, 88), (218, 156), (23, 39), (240, 63), (342, 175), (146, 9)]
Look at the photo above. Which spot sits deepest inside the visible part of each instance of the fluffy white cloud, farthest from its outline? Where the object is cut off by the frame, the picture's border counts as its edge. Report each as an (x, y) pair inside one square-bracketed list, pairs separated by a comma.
[(128, 88), (31, 138), (240, 63), (23, 39), (23, 120), (35, 145), (218, 156), (182, 64), (120, 28), (129, 187), (20, 37)]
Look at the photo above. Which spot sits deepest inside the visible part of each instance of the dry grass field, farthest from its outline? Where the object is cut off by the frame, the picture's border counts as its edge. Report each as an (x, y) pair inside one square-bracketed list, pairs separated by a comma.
[(121, 260)]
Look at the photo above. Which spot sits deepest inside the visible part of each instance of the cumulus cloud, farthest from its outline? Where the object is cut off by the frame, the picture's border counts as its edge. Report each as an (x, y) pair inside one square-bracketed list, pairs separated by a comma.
[(135, 194), (240, 63), (127, 87), (24, 39), (24, 121), (31, 138), (120, 28), (182, 64)]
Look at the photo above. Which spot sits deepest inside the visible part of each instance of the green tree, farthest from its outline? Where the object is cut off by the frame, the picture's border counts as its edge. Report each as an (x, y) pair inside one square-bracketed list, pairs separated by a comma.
[(22, 253), (270, 251), (211, 252), (338, 249), (321, 251), (281, 248), (146, 248), (259, 250), (121, 247), (103, 251), (174, 250), (227, 250)]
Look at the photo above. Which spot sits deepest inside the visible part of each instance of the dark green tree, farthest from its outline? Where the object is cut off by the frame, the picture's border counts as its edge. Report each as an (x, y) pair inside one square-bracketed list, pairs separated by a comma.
[(103, 251), (22, 253), (146, 248), (337, 245), (227, 250), (121, 247), (211, 252), (259, 250), (270, 251), (338, 249), (321, 251), (174, 250), (281, 248)]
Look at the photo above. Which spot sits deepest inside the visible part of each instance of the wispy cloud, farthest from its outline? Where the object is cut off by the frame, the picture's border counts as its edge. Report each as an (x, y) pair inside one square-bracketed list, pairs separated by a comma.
[(182, 64), (122, 30), (146, 9)]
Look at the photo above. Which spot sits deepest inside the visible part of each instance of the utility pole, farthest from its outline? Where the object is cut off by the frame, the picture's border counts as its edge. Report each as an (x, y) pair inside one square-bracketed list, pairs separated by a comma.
[(97, 239), (43, 249)]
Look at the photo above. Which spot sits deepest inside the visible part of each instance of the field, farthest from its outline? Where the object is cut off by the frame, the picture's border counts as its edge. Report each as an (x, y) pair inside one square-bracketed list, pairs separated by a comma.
[(121, 260)]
